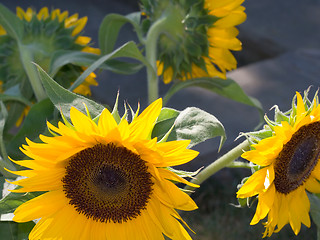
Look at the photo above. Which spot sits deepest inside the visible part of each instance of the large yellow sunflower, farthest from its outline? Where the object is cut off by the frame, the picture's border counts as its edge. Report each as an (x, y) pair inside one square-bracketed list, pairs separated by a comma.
[(208, 54), (290, 168), (45, 33), (105, 180)]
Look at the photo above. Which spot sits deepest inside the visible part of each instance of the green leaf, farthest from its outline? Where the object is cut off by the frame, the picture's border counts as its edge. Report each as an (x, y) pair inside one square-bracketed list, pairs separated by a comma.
[(62, 58), (63, 99), (15, 231), (11, 23), (128, 50), (198, 126), (227, 88), (7, 97), (164, 122), (110, 27), (33, 125)]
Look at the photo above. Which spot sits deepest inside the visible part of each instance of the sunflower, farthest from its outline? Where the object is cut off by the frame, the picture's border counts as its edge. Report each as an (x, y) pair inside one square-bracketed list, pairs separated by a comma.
[(105, 180), (289, 168), (44, 34), (201, 48)]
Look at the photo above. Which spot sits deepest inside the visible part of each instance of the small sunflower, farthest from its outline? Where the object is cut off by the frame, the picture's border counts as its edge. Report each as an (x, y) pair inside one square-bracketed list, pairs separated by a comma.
[(105, 180), (45, 33), (200, 44), (289, 168)]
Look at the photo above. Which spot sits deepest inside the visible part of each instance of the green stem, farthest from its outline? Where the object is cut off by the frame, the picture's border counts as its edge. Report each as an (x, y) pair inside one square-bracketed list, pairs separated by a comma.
[(151, 56), (237, 164), (220, 163), (169, 23), (32, 73)]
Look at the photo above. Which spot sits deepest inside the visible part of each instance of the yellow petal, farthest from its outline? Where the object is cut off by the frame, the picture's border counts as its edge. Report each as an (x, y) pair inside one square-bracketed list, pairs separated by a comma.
[(257, 183), (176, 153), (300, 105), (234, 18), (226, 43), (283, 211), (223, 58), (41, 206), (41, 181), (27, 15), (82, 40), (142, 126), (43, 14), (81, 122), (316, 171), (170, 195), (265, 203), (80, 24), (313, 185), (106, 122)]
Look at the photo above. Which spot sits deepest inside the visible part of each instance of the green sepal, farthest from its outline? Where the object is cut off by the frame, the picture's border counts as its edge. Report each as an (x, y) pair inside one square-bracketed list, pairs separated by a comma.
[(184, 174), (115, 112), (279, 116), (256, 136)]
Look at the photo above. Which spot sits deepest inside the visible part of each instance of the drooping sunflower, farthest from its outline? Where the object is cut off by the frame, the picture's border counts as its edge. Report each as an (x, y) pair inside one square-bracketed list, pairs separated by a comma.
[(290, 168), (44, 34), (200, 39), (105, 180)]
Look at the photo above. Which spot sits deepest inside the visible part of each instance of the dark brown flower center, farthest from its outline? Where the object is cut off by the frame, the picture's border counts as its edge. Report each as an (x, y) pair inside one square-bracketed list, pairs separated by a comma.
[(298, 158), (108, 183)]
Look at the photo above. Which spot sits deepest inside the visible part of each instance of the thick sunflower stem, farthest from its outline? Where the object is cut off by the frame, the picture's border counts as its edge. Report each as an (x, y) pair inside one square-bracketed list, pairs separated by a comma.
[(167, 24), (238, 164), (32, 73), (220, 163), (151, 55)]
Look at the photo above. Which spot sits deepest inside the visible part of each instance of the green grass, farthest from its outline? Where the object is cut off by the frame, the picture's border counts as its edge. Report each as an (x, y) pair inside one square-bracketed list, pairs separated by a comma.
[(217, 219)]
